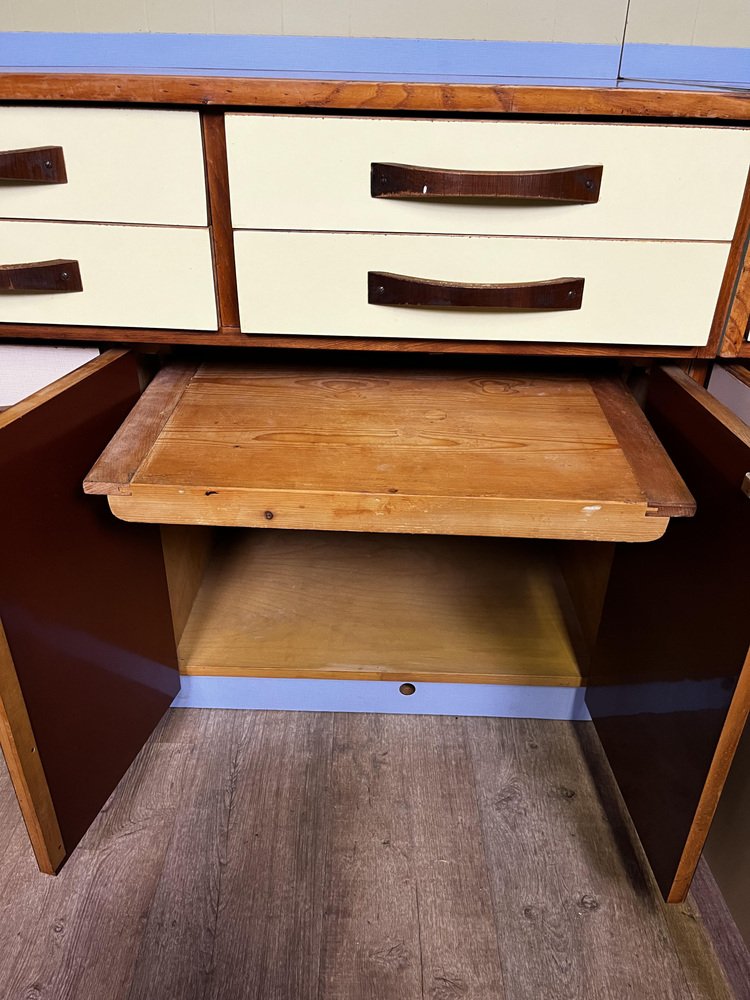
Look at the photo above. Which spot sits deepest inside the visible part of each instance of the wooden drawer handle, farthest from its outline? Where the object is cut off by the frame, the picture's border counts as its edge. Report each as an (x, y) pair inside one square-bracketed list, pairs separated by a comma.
[(569, 185), (42, 276), (40, 165), (385, 289)]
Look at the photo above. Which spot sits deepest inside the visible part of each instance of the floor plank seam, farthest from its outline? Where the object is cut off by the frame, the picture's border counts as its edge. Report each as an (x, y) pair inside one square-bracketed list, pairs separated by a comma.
[(326, 860), (419, 937), (485, 854), (157, 881), (223, 862)]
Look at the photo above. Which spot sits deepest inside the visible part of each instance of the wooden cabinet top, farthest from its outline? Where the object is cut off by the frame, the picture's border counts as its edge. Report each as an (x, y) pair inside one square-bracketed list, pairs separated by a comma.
[(243, 91)]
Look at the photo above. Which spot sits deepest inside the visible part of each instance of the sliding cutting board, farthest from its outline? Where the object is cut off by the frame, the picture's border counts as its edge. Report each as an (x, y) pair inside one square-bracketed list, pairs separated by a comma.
[(440, 452)]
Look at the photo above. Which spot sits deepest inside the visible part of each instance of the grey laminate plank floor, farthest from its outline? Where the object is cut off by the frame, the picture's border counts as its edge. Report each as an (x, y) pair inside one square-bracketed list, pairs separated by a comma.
[(296, 856)]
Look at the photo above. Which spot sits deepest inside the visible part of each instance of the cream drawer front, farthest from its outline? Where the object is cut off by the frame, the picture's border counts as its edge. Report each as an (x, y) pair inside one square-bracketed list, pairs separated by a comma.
[(131, 275), (634, 293), (122, 165), (658, 182)]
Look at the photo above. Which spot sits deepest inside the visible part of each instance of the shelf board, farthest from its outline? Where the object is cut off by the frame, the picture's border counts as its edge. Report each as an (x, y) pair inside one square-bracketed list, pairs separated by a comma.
[(369, 606), (471, 453)]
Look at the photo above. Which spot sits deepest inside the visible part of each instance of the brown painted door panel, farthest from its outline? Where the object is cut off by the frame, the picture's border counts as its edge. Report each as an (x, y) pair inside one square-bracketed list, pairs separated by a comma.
[(87, 655), (671, 671)]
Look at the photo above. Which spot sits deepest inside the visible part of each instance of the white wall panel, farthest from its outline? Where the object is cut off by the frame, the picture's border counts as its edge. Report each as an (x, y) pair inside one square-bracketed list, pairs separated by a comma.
[(689, 22), (26, 368), (598, 21)]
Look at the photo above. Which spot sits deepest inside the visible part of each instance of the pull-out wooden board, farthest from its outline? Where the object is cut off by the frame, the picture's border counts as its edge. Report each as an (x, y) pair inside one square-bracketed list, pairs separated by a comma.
[(473, 453)]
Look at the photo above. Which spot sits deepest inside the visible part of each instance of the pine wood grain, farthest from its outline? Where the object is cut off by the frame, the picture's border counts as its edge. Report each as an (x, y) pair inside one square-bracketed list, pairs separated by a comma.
[(371, 95), (136, 437), (318, 604), (186, 554), (517, 454)]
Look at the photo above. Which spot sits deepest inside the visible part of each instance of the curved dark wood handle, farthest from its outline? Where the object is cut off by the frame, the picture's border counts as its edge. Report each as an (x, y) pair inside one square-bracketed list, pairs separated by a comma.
[(569, 185), (42, 276), (385, 289), (40, 165)]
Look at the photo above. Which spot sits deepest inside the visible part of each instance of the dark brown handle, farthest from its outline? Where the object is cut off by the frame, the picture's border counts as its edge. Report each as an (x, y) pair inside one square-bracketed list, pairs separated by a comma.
[(385, 289), (42, 276), (40, 165), (569, 185)]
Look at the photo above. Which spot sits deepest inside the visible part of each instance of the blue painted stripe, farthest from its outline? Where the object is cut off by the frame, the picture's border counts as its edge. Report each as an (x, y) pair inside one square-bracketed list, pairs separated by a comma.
[(302, 695), (313, 57), (686, 63)]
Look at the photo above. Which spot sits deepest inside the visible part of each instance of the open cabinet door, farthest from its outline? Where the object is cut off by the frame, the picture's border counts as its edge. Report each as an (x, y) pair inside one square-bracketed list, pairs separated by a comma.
[(87, 654), (670, 685)]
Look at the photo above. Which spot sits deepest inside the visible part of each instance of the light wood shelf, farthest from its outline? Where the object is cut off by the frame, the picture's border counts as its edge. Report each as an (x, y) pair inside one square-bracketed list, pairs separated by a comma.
[(372, 606), (500, 453)]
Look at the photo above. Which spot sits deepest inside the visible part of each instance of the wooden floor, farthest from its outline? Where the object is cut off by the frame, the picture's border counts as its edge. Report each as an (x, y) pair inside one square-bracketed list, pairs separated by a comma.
[(291, 856)]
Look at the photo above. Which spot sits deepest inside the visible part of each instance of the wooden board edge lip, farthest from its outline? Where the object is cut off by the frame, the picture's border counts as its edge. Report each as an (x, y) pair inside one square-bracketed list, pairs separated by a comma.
[(493, 97), (137, 435), (164, 505), (26, 768), (665, 492)]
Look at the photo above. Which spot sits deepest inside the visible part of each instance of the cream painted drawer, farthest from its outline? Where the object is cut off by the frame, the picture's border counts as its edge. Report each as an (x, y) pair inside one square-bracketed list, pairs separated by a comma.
[(634, 292), (127, 165), (658, 181), (131, 275)]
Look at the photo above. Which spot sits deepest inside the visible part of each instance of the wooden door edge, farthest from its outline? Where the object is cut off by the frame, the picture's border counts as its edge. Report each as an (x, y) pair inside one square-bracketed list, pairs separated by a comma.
[(25, 767), (715, 780)]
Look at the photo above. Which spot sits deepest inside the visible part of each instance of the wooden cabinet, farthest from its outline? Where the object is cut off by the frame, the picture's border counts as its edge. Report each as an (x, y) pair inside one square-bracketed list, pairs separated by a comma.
[(654, 629), (484, 219), (501, 524)]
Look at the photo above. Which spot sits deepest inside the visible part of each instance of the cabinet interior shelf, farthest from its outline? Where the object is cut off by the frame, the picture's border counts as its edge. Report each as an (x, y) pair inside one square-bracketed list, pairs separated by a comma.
[(345, 605)]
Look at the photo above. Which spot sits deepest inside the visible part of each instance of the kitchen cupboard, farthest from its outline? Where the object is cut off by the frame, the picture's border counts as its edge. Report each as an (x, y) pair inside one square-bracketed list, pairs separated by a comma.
[(417, 466)]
